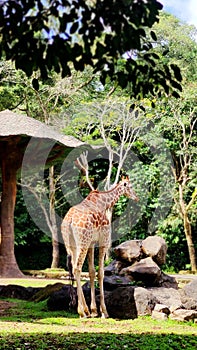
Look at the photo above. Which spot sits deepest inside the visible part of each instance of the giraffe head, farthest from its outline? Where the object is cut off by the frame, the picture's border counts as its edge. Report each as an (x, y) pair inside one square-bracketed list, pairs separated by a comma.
[(127, 188)]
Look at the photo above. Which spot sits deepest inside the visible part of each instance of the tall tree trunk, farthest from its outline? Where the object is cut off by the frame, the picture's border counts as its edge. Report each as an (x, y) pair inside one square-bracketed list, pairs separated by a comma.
[(55, 241), (190, 244), (9, 166), (183, 212)]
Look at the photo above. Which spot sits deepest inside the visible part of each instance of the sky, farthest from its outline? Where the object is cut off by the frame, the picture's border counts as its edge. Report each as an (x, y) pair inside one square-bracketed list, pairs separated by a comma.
[(186, 10)]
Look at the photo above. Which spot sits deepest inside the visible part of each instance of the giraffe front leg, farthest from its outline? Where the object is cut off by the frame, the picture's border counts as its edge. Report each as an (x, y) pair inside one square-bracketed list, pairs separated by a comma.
[(102, 252), (92, 274)]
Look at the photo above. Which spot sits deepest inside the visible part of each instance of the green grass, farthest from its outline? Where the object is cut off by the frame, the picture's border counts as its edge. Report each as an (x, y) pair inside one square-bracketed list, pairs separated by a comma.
[(31, 282), (29, 326)]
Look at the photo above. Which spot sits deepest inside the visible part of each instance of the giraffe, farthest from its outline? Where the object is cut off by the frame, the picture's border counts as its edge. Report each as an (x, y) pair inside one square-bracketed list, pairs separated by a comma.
[(84, 225)]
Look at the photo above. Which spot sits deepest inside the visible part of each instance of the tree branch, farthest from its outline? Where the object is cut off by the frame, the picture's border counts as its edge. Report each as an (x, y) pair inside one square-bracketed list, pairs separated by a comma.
[(194, 195), (82, 164)]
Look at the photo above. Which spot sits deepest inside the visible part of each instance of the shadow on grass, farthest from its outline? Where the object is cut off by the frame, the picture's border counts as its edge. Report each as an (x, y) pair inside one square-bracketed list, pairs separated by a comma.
[(98, 341), (28, 310)]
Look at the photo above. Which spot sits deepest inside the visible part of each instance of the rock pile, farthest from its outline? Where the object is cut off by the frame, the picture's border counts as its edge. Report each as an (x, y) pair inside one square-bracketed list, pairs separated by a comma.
[(138, 263), (141, 261)]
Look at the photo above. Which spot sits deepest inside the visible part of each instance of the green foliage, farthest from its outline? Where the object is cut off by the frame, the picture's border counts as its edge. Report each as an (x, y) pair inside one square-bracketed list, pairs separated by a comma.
[(25, 229), (183, 51), (172, 231), (94, 33), (75, 103), (100, 341)]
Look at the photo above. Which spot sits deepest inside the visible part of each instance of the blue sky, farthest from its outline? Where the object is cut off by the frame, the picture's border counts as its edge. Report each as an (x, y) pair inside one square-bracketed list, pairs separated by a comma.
[(186, 10)]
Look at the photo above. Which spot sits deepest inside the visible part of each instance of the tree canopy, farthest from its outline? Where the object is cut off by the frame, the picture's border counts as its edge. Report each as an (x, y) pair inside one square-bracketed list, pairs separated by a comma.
[(46, 35)]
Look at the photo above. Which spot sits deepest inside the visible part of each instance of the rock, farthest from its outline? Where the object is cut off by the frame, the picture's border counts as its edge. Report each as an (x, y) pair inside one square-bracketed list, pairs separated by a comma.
[(183, 315), (162, 308), (167, 281), (157, 315), (63, 299), (18, 292), (189, 295), (167, 296), (115, 267), (156, 248), (146, 270), (46, 292), (120, 303), (115, 281), (190, 289), (145, 301), (129, 250)]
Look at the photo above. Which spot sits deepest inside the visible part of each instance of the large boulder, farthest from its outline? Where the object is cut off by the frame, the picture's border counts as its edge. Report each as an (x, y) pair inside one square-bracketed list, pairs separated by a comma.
[(46, 292), (167, 296), (115, 281), (129, 250), (167, 281), (145, 301), (120, 303), (115, 267), (145, 270), (63, 299), (189, 295), (156, 248), (18, 292)]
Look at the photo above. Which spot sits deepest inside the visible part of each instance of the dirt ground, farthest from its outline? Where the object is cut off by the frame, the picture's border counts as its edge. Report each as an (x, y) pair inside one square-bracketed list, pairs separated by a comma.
[(4, 306)]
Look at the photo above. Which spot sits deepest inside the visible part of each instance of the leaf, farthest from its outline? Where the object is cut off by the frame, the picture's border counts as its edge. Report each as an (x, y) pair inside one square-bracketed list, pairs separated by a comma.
[(132, 108), (153, 35), (165, 52), (74, 27), (176, 85), (177, 72), (35, 84), (175, 94)]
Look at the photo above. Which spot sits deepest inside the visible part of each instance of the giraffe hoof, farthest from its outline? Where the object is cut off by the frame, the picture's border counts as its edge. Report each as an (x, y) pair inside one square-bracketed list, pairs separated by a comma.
[(85, 316), (94, 314)]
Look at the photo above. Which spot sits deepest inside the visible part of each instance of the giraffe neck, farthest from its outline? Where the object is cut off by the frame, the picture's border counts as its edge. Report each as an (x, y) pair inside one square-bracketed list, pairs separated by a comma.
[(105, 200)]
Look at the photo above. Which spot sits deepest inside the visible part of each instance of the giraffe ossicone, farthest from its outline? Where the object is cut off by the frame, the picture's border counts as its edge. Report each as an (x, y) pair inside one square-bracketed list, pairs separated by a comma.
[(84, 225)]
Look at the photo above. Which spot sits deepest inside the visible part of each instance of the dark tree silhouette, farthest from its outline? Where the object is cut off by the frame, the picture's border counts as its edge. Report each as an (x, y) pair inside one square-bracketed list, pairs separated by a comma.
[(45, 35)]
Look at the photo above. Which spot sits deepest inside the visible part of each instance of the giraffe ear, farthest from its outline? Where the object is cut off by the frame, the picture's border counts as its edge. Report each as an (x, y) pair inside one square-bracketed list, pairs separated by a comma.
[(125, 177)]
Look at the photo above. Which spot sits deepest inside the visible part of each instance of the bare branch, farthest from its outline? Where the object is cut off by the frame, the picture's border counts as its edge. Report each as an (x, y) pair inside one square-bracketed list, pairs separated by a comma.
[(194, 196), (33, 191), (82, 164)]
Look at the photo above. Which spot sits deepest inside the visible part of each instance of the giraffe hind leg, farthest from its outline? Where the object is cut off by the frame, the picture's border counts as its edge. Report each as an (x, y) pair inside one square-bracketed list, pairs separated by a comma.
[(83, 309), (102, 252), (93, 307)]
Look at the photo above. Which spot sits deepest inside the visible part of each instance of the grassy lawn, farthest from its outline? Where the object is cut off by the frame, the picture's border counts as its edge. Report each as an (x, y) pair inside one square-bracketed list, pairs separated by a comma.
[(29, 325)]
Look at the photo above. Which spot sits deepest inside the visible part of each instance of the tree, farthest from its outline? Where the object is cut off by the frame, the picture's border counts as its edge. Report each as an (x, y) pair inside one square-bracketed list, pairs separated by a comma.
[(177, 121), (182, 52), (179, 128), (115, 125), (94, 33)]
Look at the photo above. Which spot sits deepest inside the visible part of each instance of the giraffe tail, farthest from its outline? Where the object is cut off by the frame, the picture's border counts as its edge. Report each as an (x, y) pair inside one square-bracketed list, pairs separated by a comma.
[(70, 267), (73, 300)]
